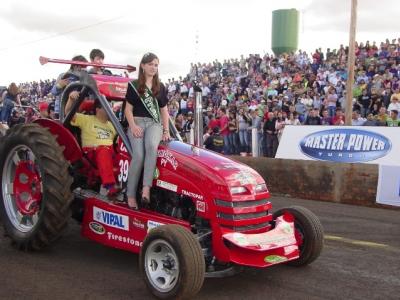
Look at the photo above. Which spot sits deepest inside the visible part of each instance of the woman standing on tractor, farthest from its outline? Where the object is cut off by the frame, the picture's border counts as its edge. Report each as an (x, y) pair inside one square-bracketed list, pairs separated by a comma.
[(147, 114)]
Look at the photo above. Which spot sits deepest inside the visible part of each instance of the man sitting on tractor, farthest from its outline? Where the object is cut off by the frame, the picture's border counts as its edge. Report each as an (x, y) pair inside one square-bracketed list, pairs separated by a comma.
[(97, 134), (61, 83)]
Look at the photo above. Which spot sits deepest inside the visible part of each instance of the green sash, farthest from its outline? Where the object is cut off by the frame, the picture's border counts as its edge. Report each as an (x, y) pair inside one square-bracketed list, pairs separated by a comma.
[(149, 101)]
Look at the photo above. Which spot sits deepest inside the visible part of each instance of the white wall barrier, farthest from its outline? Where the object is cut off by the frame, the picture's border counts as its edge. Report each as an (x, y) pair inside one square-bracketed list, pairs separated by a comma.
[(388, 191)]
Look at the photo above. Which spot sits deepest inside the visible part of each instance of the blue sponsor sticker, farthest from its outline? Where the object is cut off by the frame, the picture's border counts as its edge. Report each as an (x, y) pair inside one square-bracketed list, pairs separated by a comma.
[(110, 218), (345, 145)]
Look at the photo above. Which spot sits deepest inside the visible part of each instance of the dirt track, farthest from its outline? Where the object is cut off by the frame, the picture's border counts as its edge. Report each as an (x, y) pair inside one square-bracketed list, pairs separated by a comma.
[(360, 260)]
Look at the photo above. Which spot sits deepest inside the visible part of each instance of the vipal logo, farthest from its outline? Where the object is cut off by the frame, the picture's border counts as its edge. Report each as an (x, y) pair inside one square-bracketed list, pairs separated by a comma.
[(110, 219), (345, 145)]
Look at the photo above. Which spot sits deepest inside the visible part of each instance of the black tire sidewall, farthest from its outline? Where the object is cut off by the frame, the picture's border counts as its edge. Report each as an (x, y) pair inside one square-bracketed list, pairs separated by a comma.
[(13, 139), (304, 219), (172, 238), (179, 255), (17, 235)]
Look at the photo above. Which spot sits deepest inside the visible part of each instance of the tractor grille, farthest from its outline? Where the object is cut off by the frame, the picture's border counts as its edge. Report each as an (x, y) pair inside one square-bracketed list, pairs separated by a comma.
[(235, 204), (235, 217), (229, 217), (247, 227)]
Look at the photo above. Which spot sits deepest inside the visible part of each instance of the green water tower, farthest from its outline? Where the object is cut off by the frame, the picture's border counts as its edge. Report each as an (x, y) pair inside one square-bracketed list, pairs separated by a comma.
[(285, 30)]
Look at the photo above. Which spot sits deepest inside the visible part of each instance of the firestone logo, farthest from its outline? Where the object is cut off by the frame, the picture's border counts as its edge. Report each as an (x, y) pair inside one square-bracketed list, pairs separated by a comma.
[(345, 145), (123, 239)]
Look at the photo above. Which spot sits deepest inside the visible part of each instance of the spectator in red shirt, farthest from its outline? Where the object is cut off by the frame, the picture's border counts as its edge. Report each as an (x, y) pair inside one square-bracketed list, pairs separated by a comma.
[(338, 119), (223, 124), (43, 109), (213, 122)]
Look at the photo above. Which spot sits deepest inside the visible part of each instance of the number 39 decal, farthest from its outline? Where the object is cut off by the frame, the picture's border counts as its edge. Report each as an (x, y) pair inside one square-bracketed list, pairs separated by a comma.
[(123, 170), (122, 148)]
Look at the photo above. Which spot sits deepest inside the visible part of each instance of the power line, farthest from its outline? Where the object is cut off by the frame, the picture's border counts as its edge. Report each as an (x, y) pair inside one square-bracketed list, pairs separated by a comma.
[(60, 34)]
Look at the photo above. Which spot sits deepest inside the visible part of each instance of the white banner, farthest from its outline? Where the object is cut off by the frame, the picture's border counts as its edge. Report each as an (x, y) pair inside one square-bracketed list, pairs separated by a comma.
[(388, 191), (349, 144)]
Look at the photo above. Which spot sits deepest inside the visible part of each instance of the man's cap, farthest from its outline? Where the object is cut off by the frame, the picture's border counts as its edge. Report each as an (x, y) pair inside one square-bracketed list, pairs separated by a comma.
[(43, 106)]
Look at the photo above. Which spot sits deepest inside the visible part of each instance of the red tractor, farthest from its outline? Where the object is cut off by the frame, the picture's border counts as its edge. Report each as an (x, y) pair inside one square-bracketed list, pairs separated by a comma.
[(209, 216)]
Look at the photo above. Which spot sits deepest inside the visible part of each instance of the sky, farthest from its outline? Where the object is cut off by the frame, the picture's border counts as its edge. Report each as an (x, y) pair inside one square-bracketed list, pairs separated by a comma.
[(178, 32)]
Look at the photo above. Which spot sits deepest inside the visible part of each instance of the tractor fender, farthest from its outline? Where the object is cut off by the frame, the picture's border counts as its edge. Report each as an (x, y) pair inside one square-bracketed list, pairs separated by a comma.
[(72, 151)]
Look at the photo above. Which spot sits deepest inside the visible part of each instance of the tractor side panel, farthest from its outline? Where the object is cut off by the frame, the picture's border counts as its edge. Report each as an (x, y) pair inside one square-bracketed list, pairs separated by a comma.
[(120, 227), (176, 173)]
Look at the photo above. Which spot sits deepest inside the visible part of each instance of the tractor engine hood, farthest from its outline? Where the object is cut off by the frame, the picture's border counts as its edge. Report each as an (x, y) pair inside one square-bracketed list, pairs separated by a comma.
[(202, 167)]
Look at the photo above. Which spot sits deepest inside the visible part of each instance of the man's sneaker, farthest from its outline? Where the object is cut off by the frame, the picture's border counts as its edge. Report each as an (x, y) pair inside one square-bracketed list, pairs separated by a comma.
[(113, 191), (103, 191)]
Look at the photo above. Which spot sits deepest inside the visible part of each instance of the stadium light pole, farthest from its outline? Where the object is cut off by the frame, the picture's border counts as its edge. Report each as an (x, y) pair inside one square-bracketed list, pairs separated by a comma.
[(351, 63)]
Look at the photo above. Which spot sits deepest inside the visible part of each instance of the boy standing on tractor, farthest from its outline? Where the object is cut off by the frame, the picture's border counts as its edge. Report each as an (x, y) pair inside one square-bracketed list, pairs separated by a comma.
[(97, 134), (97, 56)]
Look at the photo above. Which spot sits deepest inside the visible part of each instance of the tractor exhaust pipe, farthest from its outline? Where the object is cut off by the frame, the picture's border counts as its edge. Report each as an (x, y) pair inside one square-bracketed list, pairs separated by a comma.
[(198, 117)]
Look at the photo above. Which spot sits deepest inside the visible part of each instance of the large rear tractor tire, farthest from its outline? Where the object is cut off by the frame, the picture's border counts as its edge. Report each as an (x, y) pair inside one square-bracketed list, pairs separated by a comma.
[(35, 193), (172, 263), (309, 234)]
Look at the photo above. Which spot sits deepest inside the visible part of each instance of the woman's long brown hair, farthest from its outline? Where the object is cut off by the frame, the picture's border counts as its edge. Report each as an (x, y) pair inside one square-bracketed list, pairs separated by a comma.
[(13, 89), (155, 88)]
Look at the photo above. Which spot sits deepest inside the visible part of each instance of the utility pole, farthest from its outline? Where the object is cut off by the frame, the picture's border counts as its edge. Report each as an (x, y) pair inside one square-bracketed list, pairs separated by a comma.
[(351, 63)]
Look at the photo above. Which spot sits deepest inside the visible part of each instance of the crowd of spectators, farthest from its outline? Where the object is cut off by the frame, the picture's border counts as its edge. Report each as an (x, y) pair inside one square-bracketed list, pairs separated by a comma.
[(34, 92), (31, 101), (268, 93)]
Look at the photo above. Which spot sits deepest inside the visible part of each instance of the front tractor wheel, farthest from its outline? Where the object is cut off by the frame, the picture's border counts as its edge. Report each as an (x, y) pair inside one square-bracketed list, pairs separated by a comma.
[(172, 263), (309, 234), (35, 185)]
